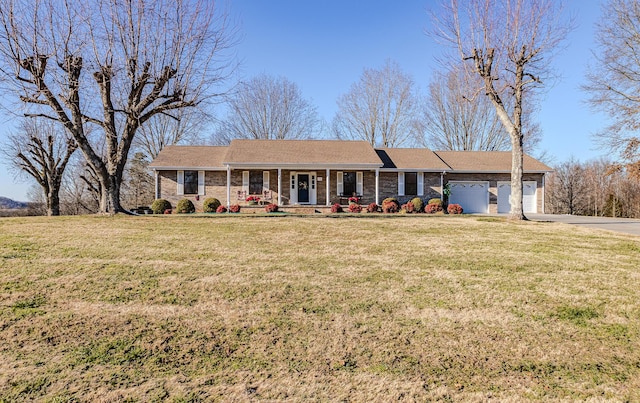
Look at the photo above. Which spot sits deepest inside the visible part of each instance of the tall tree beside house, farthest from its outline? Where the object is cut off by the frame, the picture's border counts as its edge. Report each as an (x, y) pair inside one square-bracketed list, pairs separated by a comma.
[(268, 108), (139, 184), (42, 149), (113, 65), (382, 108), (458, 118), (508, 45), (614, 79)]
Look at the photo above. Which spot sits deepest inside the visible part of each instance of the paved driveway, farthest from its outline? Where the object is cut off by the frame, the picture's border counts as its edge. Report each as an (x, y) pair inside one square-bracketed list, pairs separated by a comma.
[(624, 225)]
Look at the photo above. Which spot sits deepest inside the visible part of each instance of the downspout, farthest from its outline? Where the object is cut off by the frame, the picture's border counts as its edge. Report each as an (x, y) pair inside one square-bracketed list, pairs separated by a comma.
[(378, 186), (228, 186), (544, 191), (442, 174), (155, 174)]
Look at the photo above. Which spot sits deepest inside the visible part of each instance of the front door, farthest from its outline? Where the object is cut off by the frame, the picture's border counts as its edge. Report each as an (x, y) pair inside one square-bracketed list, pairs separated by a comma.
[(303, 188)]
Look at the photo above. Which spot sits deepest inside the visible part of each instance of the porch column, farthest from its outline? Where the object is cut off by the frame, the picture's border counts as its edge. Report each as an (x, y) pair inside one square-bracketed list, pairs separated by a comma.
[(155, 174), (378, 186), (228, 186), (279, 186), (328, 187)]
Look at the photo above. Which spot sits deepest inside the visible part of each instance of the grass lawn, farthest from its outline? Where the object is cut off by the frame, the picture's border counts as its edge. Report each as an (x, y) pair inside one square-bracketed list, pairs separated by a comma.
[(205, 308)]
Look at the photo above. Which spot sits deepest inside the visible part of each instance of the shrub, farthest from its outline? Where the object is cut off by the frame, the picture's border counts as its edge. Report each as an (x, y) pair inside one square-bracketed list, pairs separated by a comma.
[(159, 206), (168, 211), (234, 208), (185, 206), (221, 209), (372, 208), (336, 208), (433, 208), (408, 207), (435, 201), (271, 208), (454, 209), (417, 204), (390, 205), (210, 205), (355, 208)]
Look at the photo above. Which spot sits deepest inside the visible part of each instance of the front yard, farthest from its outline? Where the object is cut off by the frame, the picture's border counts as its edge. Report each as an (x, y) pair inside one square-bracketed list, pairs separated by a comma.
[(200, 308)]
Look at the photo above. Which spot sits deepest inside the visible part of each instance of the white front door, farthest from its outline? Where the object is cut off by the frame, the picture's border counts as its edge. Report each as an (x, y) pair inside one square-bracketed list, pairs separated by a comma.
[(529, 199), (304, 188)]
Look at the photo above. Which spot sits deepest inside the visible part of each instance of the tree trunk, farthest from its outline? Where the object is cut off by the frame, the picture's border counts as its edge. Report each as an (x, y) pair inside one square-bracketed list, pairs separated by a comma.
[(516, 212), (53, 201)]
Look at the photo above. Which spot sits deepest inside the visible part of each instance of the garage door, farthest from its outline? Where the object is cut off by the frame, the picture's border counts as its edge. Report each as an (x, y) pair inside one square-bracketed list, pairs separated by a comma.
[(529, 201), (472, 196)]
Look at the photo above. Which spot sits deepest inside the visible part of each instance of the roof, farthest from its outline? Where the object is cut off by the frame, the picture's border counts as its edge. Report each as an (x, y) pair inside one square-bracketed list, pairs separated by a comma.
[(177, 157), (411, 158), (302, 153), (334, 154), (488, 161)]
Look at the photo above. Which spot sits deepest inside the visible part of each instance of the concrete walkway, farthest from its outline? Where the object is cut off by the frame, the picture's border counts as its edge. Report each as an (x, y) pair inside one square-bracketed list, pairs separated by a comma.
[(623, 225)]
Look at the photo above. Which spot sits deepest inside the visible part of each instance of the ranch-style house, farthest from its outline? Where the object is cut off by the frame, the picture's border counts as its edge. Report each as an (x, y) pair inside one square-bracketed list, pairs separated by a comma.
[(319, 173)]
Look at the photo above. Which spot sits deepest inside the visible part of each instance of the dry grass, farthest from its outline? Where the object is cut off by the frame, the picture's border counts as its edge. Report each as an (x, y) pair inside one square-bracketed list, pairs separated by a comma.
[(237, 309)]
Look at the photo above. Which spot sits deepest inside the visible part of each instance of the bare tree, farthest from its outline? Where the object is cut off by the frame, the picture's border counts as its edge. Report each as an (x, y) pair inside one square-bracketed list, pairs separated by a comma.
[(508, 45), (614, 82), (266, 107), (42, 149), (456, 117), (112, 64), (183, 126), (381, 108)]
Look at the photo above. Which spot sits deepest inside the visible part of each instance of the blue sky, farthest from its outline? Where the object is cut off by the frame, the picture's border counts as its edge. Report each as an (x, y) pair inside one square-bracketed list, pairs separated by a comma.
[(323, 47)]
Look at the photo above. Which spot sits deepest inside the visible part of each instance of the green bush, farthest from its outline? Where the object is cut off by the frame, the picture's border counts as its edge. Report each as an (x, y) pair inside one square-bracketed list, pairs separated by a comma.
[(417, 204), (210, 205), (436, 201), (159, 206), (185, 206)]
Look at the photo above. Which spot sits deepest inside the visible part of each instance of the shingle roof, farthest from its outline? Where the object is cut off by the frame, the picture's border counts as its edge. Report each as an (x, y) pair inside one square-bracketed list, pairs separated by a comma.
[(210, 157), (301, 153), (488, 161), (411, 158)]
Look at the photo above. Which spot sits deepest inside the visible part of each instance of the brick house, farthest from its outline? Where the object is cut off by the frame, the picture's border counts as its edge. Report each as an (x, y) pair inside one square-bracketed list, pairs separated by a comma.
[(323, 172)]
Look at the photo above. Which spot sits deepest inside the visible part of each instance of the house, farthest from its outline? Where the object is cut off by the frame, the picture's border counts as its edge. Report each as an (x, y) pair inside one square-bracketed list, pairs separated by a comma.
[(320, 173)]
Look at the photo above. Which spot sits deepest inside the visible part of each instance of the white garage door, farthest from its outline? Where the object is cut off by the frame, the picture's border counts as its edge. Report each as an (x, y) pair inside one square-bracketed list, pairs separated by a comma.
[(529, 201), (472, 196)]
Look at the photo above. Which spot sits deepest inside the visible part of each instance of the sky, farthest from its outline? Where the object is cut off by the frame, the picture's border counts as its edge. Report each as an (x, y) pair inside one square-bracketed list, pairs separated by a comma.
[(324, 46)]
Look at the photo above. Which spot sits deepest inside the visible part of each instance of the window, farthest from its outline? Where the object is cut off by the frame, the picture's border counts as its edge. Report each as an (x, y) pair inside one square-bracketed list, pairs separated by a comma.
[(255, 182), (411, 183), (190, 182), (348, 183)]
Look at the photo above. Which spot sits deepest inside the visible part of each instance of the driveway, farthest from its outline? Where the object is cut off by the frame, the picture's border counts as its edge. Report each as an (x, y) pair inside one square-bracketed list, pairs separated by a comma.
[(623, 225)]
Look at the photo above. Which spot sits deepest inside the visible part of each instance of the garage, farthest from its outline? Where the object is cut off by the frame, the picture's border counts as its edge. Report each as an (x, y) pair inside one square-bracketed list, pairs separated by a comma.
[(529, 200), (472, 196)]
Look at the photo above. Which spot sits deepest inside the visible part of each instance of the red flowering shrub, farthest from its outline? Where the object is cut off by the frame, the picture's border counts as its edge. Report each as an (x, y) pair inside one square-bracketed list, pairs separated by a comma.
[(271, 208), (168, 211), (355, 208), (221, 209), (433, 208), (372, 208), (234, 208), (390, 205), (336, 208), (408, 207), (454, 209)]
